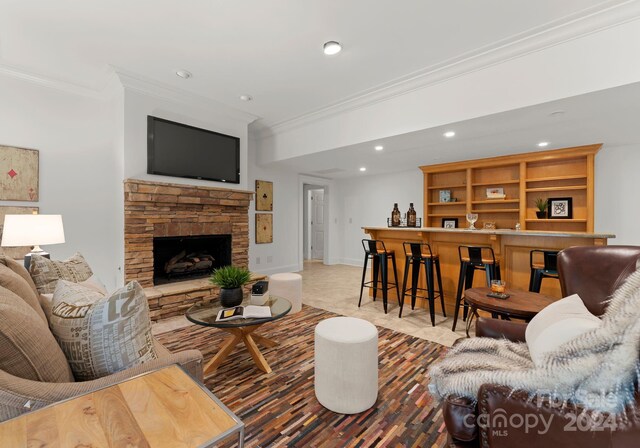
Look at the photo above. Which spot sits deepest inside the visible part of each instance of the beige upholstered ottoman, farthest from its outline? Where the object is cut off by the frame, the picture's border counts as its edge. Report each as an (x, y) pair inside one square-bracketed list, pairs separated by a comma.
[(346, 364), (289, 286)]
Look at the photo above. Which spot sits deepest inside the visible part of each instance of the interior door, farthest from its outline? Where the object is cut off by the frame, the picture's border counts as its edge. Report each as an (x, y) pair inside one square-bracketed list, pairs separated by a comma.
[(317, 224)]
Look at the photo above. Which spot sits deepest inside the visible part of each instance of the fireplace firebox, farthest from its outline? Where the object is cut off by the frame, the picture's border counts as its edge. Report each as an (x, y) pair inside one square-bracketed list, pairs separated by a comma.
[(189, 257)]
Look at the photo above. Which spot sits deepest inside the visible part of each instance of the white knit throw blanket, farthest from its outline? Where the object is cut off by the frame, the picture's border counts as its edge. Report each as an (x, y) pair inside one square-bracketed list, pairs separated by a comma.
[(597, 370)]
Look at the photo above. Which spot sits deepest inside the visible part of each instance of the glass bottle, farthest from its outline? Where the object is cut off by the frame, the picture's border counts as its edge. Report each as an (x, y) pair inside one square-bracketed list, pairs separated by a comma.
[(411, 216), (395, 215)]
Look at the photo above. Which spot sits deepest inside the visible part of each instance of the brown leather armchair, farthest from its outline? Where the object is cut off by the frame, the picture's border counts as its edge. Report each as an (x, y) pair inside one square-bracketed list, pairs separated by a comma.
[(594, 273)]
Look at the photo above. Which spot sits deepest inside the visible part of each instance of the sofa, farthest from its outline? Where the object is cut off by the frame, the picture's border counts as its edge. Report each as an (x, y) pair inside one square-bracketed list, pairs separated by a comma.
[(594, 273), (33, 369)]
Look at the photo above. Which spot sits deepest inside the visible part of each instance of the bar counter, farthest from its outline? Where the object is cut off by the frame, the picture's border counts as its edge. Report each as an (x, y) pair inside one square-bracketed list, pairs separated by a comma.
[(511, 247)]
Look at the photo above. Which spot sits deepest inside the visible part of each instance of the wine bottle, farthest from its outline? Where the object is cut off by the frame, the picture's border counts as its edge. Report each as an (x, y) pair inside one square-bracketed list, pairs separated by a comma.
[(395, 216), (411, 216)]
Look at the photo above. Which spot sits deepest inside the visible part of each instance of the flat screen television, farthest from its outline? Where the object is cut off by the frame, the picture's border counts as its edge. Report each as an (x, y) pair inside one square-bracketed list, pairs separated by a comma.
[(179, 150)]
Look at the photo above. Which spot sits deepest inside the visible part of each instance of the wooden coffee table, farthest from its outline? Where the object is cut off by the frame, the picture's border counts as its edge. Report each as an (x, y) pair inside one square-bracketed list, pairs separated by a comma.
[(240, 330), (520, 305), (163, 408)]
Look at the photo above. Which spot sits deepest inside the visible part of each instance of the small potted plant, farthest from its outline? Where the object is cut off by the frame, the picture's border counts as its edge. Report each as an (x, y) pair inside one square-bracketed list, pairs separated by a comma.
[(541, 205), (230, 279)]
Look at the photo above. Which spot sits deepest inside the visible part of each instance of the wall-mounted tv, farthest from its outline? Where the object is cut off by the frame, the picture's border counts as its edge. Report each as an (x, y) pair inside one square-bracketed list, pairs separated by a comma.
[(179, 150)]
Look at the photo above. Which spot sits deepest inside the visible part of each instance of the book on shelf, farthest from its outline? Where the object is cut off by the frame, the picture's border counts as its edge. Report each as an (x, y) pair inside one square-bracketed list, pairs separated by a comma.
[(243, 312)]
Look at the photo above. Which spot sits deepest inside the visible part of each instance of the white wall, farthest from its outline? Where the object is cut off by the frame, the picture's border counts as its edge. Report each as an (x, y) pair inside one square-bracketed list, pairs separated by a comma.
[(367, 201), (137, 106), (617, 194), (78, 166), (282, 254)]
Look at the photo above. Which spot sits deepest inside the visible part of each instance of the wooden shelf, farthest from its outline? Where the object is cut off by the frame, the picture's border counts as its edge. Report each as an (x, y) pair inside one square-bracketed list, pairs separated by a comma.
[(557, 221), (566, 188), (558, 173), (432, 204), (498, 210), (552, 178), (445, 187), (488, 184), (496, 201)]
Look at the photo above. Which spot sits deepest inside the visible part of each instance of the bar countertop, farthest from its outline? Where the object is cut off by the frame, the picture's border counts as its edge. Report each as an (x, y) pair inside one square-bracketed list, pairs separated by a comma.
[(509, 232)]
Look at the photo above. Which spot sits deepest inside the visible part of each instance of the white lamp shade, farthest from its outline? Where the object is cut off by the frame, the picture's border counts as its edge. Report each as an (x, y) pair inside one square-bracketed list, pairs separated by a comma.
[(32, 230)]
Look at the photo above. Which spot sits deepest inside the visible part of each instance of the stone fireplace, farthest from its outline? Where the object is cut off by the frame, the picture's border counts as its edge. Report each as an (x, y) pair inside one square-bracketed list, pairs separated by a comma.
[(179, 215)]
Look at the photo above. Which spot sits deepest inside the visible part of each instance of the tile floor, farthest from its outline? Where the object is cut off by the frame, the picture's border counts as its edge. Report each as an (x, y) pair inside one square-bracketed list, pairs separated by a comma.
[(336, 288)]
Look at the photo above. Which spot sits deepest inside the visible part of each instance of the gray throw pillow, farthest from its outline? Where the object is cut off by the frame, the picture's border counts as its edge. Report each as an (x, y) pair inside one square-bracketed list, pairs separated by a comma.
[(101, 334)]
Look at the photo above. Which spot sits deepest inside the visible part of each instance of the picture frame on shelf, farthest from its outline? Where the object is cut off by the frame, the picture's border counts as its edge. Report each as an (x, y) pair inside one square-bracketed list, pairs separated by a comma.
[(445, 196), (496, 193), (449, 223), (560, 208)]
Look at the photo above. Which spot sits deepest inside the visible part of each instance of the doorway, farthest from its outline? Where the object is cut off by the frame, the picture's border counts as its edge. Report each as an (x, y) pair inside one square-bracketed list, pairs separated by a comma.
[(314, 223)]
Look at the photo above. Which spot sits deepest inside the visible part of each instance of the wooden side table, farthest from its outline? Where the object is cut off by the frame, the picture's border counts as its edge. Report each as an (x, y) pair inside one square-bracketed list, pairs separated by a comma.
[(162, 408), (520, 305)]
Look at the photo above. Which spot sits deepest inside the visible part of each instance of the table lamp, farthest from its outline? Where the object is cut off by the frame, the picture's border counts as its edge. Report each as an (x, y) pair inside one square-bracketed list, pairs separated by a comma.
[(32, 230)]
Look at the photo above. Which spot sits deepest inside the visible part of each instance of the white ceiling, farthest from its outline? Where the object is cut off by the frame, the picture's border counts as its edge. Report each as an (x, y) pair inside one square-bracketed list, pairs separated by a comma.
[(270, 49), (608, 116)]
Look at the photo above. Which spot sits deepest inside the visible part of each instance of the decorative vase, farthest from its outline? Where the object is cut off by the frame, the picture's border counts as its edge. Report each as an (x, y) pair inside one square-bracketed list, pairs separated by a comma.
[(541, 215), (230, 297)]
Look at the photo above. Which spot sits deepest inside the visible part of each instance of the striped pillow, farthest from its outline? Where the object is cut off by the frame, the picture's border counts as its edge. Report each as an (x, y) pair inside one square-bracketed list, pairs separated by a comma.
[(46, 273)]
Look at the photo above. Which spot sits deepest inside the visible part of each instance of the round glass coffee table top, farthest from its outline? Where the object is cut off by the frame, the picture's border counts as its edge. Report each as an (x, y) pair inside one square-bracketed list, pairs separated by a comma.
[(205, 314)]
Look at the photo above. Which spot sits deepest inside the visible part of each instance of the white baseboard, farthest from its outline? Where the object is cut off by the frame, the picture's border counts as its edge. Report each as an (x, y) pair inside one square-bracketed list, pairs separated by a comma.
[(276, 270), (352, 261)]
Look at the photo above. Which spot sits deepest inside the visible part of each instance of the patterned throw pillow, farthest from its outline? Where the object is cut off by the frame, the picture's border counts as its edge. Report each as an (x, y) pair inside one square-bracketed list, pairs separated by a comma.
[(101, 334), (46, 273)]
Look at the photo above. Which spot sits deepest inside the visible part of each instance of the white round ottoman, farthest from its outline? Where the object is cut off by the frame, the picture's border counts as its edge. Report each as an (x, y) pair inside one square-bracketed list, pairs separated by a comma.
[(289, 286), (346, 364)]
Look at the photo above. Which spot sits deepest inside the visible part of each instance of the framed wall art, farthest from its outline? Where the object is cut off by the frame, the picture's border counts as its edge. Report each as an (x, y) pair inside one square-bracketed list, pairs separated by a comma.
[(264, 196), (19, 171), (264, 228), (560, 208), (15, 252), (449, 223)]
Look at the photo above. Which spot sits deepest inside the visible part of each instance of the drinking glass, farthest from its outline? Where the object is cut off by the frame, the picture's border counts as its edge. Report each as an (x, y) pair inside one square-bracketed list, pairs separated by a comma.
[(471, 219)]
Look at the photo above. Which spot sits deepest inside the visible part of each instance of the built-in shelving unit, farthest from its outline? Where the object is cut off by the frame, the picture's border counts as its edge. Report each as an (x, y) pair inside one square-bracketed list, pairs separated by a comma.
[(522, 178)]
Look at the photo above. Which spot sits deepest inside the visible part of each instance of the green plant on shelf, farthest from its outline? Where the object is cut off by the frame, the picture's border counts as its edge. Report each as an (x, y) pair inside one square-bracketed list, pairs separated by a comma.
[(541, 204)]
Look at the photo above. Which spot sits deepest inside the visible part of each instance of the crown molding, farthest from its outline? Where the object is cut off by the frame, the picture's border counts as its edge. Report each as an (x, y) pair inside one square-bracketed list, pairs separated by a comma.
[(583, 23), (102, 92), (146, 86)]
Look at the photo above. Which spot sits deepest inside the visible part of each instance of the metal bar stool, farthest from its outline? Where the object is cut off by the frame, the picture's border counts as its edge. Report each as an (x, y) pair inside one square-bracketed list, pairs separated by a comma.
[(376, 251), (547, 269), (474, 258), (416, 254)]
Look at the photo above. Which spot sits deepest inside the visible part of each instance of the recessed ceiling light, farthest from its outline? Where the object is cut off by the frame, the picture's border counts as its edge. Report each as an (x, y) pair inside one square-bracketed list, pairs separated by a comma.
[(449, 134), (378, 148), (363, 169), (543, 144), (184, 74), (332, 47), (246, 97)]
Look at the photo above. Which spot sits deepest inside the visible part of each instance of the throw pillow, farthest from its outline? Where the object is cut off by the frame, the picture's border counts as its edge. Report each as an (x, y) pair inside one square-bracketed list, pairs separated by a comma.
[(101, 334), (92, 282), (15, 278), (27, 348), (46, 273), (557, 324)]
